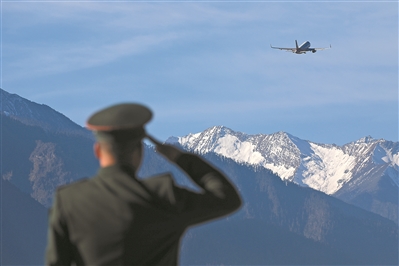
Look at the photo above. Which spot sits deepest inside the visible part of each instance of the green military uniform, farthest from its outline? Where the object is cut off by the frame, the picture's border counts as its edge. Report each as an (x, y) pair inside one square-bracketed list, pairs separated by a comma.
[(116, 219)]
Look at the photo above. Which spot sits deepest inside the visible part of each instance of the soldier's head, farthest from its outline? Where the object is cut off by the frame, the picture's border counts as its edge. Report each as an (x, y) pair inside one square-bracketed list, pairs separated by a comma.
[(119, 131)]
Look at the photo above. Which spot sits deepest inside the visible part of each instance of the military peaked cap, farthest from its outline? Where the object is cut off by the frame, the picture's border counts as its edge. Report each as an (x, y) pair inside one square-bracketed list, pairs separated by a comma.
[(127, 119)]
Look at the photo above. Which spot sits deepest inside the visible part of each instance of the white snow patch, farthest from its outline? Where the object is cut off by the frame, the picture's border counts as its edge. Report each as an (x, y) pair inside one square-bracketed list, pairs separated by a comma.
[(380, 155), (231, 147), (189, 139), (283, 172), (395, 159), (328, 169)]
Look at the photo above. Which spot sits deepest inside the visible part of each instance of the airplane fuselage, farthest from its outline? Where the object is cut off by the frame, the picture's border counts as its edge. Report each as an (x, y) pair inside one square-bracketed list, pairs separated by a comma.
[(304, 48)]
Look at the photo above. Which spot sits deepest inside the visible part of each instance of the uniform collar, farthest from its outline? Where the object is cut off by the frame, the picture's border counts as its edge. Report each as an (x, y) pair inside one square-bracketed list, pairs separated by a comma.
[(123, 179), (115, 170)]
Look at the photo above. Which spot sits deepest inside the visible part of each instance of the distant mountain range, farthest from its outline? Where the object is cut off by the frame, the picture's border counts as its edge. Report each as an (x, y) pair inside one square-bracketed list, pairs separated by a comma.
[(364, 172), (284, 219), (40, 115)]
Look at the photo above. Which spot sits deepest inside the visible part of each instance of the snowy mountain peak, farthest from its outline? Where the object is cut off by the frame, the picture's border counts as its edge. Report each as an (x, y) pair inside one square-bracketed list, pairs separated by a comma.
[(367, 139), (323, 167), (275, 151)]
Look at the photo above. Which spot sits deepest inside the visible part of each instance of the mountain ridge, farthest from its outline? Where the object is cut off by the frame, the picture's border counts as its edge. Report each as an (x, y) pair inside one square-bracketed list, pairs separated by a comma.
[(291, 151), (34, 114), (350, 171)]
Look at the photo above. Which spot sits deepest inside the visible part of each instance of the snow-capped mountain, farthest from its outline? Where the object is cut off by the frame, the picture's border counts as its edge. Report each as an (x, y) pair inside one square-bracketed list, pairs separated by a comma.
[(320, 166), (363, 172), (34, 114)]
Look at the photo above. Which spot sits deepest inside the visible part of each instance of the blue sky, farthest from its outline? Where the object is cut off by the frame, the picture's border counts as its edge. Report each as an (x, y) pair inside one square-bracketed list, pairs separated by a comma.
[(199, 64)]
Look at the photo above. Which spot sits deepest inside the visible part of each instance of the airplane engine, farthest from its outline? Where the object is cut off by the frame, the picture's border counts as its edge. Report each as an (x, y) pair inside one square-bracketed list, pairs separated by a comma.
[(314, 51)]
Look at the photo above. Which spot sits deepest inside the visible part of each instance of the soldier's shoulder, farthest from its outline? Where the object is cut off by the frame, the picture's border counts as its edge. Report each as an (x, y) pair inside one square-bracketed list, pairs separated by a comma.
[(76, 185)]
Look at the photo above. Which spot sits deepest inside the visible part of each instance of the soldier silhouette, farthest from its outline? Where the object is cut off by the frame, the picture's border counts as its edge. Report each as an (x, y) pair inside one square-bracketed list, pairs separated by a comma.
[(116, 219)]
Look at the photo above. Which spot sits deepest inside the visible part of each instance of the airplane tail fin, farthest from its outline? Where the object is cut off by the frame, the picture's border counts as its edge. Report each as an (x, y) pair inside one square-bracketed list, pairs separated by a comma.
[(296, 43)]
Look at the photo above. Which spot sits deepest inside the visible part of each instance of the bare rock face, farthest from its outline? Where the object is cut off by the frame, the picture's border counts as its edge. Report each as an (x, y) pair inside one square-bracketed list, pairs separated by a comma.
[(48, 172)]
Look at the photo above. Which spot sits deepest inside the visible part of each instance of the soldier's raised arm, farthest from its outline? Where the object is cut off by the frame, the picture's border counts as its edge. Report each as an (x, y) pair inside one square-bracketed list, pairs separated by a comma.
[(210, 179)]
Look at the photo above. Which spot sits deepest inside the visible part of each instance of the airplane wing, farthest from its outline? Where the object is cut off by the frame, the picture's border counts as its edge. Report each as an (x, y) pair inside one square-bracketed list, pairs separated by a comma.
[(286, 49), (325, 48)]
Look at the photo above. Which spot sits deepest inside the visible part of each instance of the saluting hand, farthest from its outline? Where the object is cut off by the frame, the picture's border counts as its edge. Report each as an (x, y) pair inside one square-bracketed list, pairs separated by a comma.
[(168, 151)]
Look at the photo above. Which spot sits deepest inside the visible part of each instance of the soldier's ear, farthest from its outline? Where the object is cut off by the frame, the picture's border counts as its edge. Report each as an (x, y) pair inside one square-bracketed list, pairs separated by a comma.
[(97, 150)]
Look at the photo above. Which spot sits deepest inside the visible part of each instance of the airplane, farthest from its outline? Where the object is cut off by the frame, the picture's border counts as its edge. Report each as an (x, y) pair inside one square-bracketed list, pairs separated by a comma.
[(305, 47)]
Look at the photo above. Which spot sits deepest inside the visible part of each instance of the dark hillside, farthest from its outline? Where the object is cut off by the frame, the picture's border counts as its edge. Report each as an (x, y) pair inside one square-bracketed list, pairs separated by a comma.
[(23, 227), (256, 242), (37, 161)]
